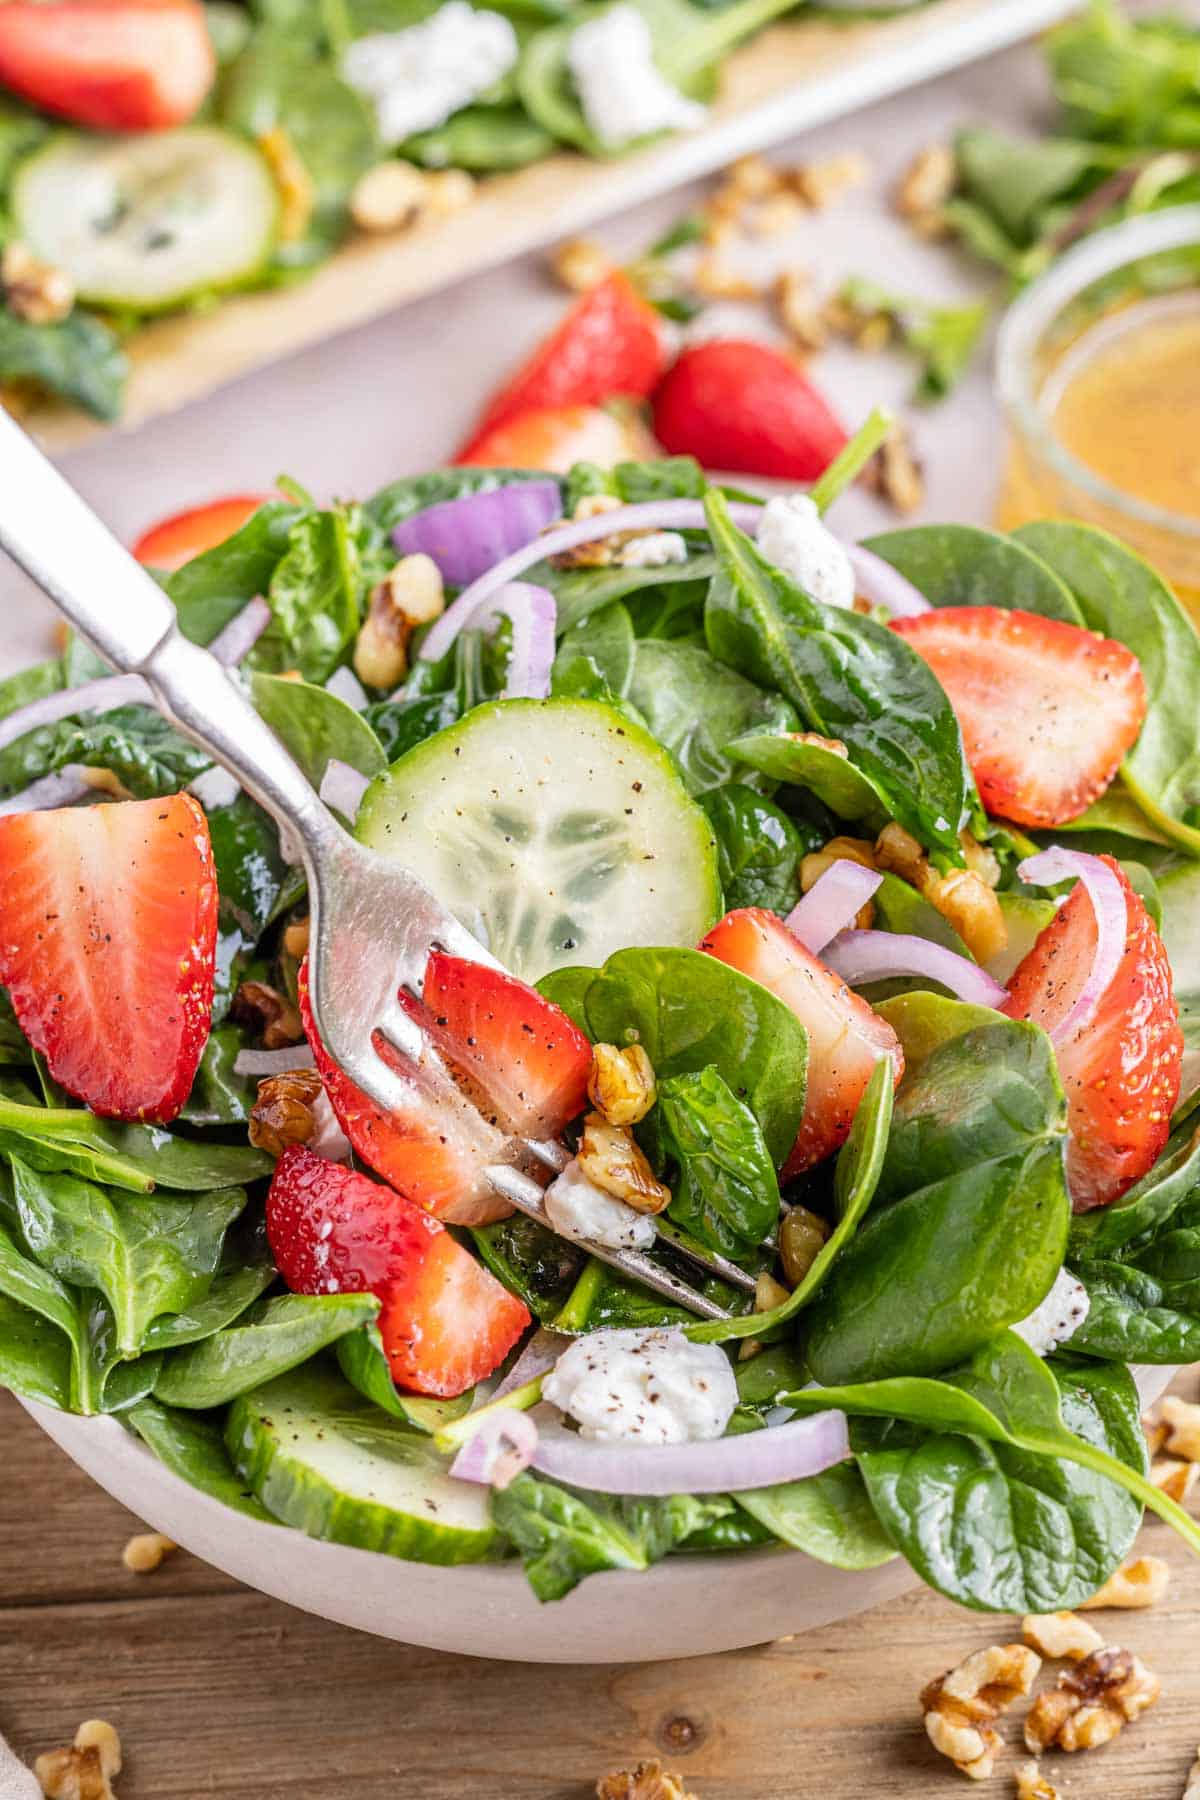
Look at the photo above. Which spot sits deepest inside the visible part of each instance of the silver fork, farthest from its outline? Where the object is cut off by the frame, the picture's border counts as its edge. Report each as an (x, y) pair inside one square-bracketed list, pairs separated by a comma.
[(373, 923)]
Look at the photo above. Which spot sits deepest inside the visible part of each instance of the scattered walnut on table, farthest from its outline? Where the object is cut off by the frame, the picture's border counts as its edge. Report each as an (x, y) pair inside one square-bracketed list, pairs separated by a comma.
[(609, 1157), (1175, 1477), (819, 184), (85, 1769), (961, 1705), (1138, 1583), (649, 1781), (1032, 1784), (1092, 1703), (927, 183), (580, 264), (894, 472), (621, 1085), (147, 1552), (800, 314), (1192, 1790), (1182, 1420), (1060, 1635)]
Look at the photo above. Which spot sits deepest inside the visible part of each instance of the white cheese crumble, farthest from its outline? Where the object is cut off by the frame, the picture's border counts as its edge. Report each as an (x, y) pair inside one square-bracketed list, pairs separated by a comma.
[(215, 788), (791, 535), (653, 550), (417, 78), (645, 1387), (1058, 1317), (623, 92), (578, 1209)]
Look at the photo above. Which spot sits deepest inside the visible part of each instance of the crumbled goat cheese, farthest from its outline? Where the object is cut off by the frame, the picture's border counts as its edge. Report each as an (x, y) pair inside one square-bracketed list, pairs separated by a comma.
[(646, 1387), (215, 788), (791, 535), (653, 550), (1059, 1316), (577, 1208), (417, 78), (623, 92)]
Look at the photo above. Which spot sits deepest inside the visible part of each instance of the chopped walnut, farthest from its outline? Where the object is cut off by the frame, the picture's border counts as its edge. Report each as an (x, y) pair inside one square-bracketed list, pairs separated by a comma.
[(147, 1552), (774, 216), (1092, 1703), (894, 472), (283, 1113), (295, 939), (1139, 1583), (1032, 1784), (1060, 1635), (1192, 1790), (297, 195), (611, 1159), (753, 178), (83, 1771), (450, 191), (928, 182), (580, 263), (411, 594), (390, 197), (621, 1085), (1183, 1427), (1155, 1431), (819, 184), (980, 860), (35, 290), (799, 314), (277, 1020), (838, 849), (649, 1781), (1175, 1478), (802, 1236), (715, 280), (960, 1705), (966, 902), (769, 1293)]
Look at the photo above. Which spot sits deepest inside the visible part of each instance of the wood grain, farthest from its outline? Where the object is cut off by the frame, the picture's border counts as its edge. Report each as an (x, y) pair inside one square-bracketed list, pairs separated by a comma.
[(220, 1694)]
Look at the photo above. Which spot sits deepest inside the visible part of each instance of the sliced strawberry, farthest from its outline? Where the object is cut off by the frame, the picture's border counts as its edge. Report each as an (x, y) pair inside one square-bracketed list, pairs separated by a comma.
[(432, 1155), (555, 438), (1047, 710), (524, 1053), (845, 1037), (610, 343), (115, 65), (174, 541), (1122, 1068), (736, 404), (108, 930), (446, 1322)]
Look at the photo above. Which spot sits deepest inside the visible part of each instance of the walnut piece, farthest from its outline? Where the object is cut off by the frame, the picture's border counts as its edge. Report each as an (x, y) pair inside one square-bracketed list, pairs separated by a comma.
[(297, 195), (146, 1552), (1175, 1478), (83, 1771), (580, 263), (894, 472), (277, 1020), (960, 1705), (928, 182), (1092, 1703), (621, 1084), (35, 290), (964, 897), (409, 595), (714, 279), (799, 314), (1192, 1790), (295, 939), (802, 1236), (284, 1112), (450, 191), (819, 184), (649, 1781), (1140, 1582), (611, 1159), (390, 197), (1032, 1784), (1060, 1635), (1183, 1427)]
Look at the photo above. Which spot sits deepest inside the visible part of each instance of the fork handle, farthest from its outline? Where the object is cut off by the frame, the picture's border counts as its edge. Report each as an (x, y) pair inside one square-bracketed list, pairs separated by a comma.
[(123, 613)]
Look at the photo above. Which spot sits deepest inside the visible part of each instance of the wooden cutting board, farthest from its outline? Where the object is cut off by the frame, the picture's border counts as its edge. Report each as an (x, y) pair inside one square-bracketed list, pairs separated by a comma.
[(792, 77)]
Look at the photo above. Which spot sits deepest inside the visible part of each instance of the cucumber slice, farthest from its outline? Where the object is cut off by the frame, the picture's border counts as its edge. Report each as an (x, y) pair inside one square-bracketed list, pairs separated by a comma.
[(148, 221), (556, 830), (321, 1457)]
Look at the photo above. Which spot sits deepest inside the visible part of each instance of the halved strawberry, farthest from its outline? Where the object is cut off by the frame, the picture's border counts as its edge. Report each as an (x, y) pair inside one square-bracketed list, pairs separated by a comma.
[(1047, 710), (524, 1052), (446, 1321), (108, 930), (845, 1037), (557, 437), (432, 1155), (175, 540), (1121, 1069), (610, 343), (113, 65), (733, 403)]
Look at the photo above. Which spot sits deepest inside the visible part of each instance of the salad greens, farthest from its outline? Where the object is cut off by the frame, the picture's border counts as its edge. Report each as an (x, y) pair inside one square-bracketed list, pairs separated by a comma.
[(135, 1278)]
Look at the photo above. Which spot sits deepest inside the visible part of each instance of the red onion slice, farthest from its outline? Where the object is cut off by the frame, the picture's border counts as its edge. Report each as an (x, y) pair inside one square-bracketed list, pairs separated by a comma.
[(884, 586), (100, 696), (648, 515), (273, 1062), (504, 1444), (862, 956), (832, 904), (63, 788), (235, 642), (343, 787), (539, 1355), (533, 613), (752, 1459), (1107, 896), (469, 536)]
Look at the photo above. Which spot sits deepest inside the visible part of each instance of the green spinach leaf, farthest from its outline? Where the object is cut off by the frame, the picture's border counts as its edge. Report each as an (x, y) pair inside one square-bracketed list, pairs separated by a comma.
[(724, 1191), (829, 1516), (277, 1336), (832, 777), (696, 706), (138, 1158), (193, 1448), (35, 1358), (363, 1361), (531, 1261), (759, 849), (964, 565), (316, 593), (79, 359), (317, 726)]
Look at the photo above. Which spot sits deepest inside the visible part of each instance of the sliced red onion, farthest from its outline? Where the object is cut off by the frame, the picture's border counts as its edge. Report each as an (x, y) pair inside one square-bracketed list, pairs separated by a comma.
[(243, 631), (1107, 896), (649, 515), (832, 904), (100, 696), (862, 956), (533, 613), (273, 1062), (344, 684), (504, 1444), (752, 1459), (63, 788), (884, 586), (539, 1355), (343, 787), (469, 536)]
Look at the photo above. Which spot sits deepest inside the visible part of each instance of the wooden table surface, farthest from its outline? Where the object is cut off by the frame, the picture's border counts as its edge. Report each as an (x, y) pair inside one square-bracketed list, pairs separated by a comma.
[(218, 1692)]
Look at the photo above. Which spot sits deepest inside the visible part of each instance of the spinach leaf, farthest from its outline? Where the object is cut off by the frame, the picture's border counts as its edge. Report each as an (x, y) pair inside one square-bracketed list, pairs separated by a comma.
[(1121, 596), (695, 706), (363, 1361), (399, 725), (771, 1372), (850, 679), (1180, 891), (832, 777), (482, 139), (194, 1449), (79, 358), (135, 1157), (220, 1096), (964, 565), (759, 848), (317, 726), (1015, 179), (899, 907), (724, 1191), (27, 685), (134, 743), (689, 1011), (563, 1536), (606, 639), (924, 1021), (829, 1516), (251, 872), (316, 594), (664, 603), (235, 1287), (34, 1289), (1131, 1318), (213, 587), (277, 1336), (35, 1359), (531, 1261)]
